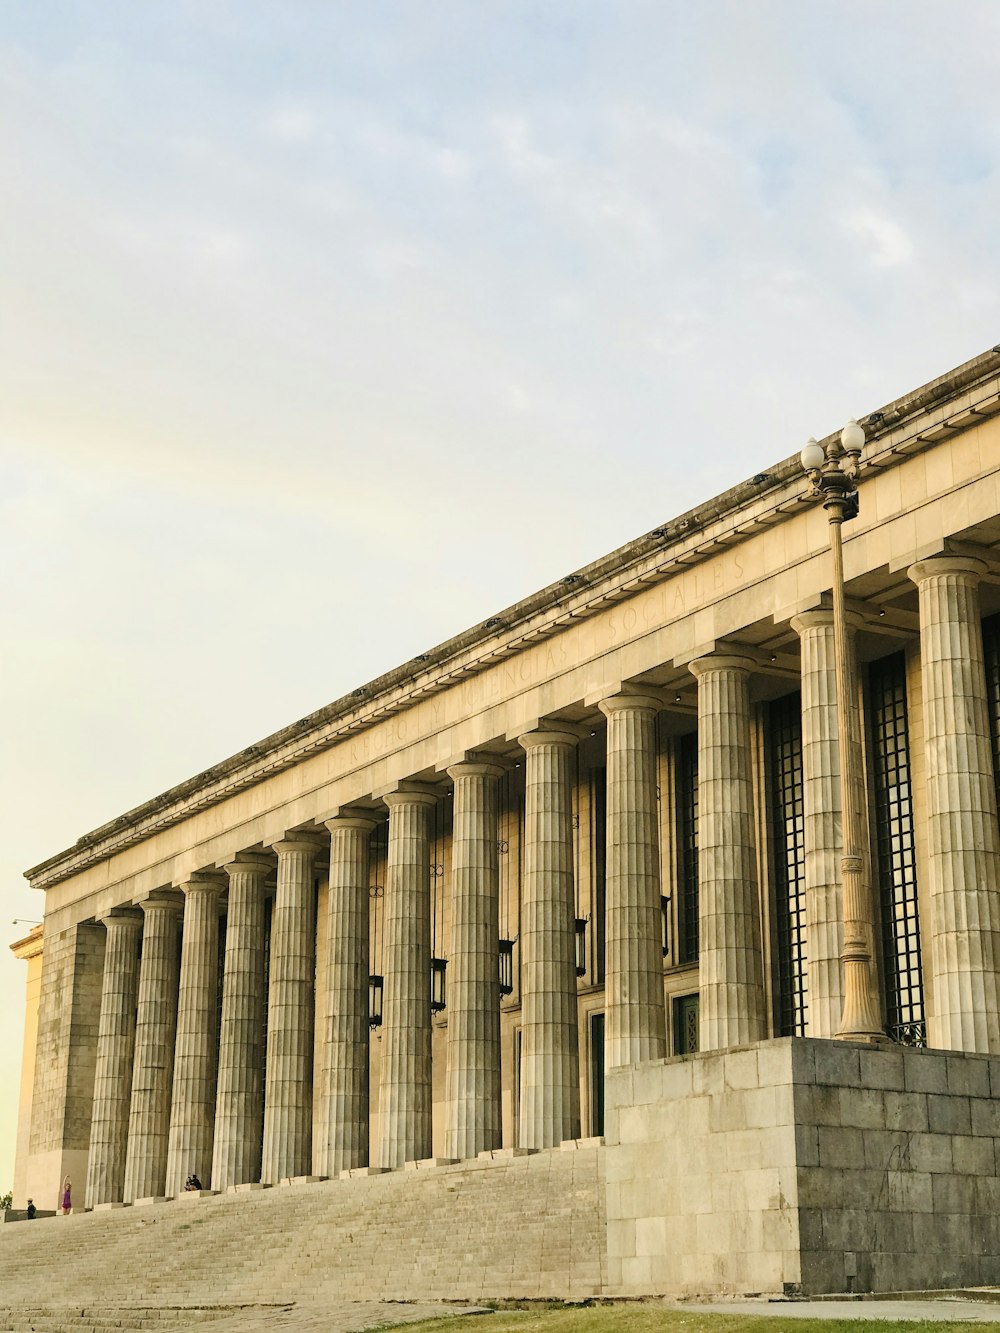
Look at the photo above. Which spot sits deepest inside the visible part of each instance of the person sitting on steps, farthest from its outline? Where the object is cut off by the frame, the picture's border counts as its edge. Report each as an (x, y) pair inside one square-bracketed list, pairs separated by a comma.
[(192, 1183)]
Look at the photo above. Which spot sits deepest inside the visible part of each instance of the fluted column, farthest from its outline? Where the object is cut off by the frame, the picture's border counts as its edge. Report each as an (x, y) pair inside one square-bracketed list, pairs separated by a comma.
[(962, 834), (550, 1060), (290, 1013), (731, 974), (192, 1106), (472, 1094), (239, 1102), (822, 812), (342, 1134), (635, 1012), (115, 1054), (155, 1035), (405, 1092)]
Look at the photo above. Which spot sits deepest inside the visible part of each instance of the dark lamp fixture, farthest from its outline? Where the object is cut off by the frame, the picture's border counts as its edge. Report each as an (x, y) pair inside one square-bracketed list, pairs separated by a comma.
[(438, 966), (581, 945), (506, 967), (665, 923), (374, 1001)]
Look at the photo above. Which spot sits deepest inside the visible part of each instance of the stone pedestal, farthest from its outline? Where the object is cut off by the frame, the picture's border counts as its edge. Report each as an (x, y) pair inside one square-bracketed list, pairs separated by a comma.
[(115, 1054), (239, 1104), (962, 834), (342, 1134), (472, 1094), (405, 1093), (550, 1061), (155, 1034), (192, 1105), (731, 973), (290, 1008), (635, 1015)]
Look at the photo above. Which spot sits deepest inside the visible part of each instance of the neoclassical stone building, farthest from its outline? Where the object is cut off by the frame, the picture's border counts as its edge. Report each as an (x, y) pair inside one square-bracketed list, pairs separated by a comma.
[(541, 882)]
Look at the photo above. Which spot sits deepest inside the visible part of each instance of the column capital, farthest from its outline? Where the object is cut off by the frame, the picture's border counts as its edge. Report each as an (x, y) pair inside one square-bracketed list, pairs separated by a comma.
[(713, 663), (163, 899), (295, 841), (252, 862), (411, 793), (121, 916), (554, 733), (822, 618), (625, 700), (206, 882), (476, 766), (359, 822), (958, 566)]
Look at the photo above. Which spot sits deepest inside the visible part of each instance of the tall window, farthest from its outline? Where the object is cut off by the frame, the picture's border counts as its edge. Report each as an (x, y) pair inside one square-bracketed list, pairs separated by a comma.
[(599, 859), (784, 737), (991, 647), (687, 848), (597, 1074), (895, 853)]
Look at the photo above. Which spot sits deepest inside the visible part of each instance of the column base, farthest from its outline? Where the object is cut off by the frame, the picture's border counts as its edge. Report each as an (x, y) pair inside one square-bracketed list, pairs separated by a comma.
[(301, 1180), (246, 1187), (427, 1163), (499, 1154), (571, 1145), (105, 1207), (188, 1195), (354, 1172), (152, 1198)]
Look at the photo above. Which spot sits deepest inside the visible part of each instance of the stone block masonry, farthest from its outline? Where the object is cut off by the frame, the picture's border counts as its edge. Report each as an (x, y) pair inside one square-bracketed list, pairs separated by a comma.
[(801, 1165)]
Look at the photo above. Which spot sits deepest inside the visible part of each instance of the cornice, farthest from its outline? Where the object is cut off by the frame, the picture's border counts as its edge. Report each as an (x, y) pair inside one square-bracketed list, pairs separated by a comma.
[(28, 947), (909, 424)]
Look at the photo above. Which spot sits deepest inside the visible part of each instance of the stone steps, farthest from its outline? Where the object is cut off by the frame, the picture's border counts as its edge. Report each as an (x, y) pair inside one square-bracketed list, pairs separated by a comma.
[(529, 1226)]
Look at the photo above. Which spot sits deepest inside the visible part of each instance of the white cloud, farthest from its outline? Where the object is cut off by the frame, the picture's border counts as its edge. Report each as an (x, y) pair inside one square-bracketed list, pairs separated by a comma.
[(887, 243), (290, 124)]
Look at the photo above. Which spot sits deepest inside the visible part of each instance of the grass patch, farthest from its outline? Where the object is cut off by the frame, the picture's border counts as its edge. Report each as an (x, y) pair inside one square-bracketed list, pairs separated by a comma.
[(637, 1317)]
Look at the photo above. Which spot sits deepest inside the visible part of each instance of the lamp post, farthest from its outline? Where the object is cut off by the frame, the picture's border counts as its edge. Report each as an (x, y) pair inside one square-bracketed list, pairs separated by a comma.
[(833, 471)]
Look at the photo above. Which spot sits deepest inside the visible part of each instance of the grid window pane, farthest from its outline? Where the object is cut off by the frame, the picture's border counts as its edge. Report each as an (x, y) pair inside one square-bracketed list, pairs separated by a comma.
[(896, 863), (784, 734)]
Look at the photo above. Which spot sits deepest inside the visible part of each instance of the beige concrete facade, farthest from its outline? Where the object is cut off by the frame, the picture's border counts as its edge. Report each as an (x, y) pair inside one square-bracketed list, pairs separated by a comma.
[(632, 777)]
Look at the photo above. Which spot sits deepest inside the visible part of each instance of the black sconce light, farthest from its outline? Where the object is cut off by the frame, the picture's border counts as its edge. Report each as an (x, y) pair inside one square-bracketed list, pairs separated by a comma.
[(438, 966), (665, 924), (581, 945), (374, 1001), (506, 967)]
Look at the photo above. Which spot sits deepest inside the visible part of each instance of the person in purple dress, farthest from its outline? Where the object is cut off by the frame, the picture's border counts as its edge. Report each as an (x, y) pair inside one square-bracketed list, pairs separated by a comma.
[(67, 1197)]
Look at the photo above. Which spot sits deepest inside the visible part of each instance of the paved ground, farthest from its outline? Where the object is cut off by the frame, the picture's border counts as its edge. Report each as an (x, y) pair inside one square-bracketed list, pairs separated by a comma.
[(333, 1317), (944, 1310)]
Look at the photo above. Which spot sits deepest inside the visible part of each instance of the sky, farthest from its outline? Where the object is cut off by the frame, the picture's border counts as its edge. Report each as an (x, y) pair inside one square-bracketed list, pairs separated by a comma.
[(329, 329)]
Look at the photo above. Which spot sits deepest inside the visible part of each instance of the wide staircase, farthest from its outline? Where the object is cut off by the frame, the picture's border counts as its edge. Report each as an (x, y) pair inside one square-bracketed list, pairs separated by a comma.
[(513, 1226)]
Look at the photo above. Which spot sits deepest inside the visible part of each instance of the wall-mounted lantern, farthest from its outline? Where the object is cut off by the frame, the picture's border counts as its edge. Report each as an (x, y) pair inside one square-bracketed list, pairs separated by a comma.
[(506, 967), (374, 1001), (665, 924), (438, 966), (581, 945)]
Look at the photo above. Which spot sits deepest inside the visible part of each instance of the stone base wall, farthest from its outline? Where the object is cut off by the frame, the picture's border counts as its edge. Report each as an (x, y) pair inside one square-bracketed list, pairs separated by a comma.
[(803, 1165)]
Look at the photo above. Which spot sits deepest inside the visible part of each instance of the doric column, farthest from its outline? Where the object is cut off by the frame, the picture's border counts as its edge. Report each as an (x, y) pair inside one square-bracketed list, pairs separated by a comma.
[(635, 1013), (192, 1106), (550, 1060), (405, 1092), (290, 1013), (731, 974), (239, 1101), (342, 1134), (155, 1035), (962, 835), (472, 1095), (822, 812), (115, 1053)]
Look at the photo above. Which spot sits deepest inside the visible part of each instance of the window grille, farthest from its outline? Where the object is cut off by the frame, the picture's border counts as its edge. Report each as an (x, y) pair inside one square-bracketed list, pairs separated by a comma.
[(991, 649), (788, 857), (896, 858), (687, 848), (686, 1022)]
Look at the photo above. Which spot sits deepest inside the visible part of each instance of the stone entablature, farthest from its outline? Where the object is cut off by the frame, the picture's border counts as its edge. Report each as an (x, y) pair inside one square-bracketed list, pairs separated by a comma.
[(899, 431)]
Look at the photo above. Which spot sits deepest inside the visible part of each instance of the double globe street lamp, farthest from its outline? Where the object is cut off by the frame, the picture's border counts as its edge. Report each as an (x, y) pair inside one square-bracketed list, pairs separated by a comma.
[(833, 470)]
